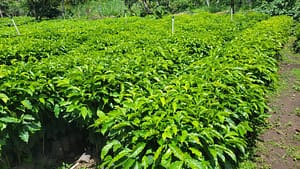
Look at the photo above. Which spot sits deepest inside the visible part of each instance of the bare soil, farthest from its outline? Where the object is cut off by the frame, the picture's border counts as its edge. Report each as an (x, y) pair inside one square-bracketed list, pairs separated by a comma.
[(279, 145)]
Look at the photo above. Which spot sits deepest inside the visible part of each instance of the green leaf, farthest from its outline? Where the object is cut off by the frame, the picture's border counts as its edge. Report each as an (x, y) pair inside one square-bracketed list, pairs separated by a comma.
[(177, 152), (174, 106), (33, 127), (167, 133), (56, 110), (2, 126), (213, 152), (9, 120), (85, 112), (128, 163), (196, 152), (137, 150), (107, 147), (231, 154), (157, 154), (122, 125), (105, 161), (183, 136), (27, 117), (147, 161), (27, 104), (123, 153), (24, 135), (195, 164), (166, 159), (42, 100), (163, 101), (63, 82), (137, 165), (177, 165), (4, 97)]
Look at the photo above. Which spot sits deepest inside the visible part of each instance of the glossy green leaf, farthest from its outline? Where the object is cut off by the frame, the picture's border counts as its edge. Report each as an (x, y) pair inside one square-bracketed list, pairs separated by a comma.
[(108, 147), (129, 163), (123, 153), (4, 97), (56, 110), (177, 152), (177, 165), (24, 135), (137, 150), (27, 104), (9, 119)]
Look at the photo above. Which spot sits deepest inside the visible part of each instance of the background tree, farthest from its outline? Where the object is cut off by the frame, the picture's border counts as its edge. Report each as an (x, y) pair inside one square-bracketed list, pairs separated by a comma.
[(281, 7), (43, 8), (232, 6), (12, 7)]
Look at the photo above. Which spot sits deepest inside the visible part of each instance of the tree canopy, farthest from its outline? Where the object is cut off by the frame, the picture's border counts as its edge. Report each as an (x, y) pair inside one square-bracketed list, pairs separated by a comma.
[(54, 8)]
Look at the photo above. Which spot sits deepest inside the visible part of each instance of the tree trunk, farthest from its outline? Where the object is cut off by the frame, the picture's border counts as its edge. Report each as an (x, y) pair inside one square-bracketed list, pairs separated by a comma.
[(63, 8), (232, 6), (146, 7), (207, 3), (250, 4)]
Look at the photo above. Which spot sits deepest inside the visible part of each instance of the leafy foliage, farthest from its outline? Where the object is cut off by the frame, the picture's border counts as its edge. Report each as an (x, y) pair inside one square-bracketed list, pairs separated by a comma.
[(188, 100), (43, 8), (281, 7), (12, 8)]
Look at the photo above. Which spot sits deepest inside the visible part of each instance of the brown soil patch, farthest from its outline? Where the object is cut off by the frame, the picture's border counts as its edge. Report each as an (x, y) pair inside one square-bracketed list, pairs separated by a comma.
[(279, 147)]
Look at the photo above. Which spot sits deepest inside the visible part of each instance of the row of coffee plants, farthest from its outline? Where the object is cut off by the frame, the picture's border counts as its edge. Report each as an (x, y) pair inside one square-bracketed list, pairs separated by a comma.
[(160, 100), (55, 38), (201, 116), (39, 89)]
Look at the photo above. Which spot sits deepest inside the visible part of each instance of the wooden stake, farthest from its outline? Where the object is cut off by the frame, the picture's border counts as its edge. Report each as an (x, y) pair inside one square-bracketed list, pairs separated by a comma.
[(173, 26), (15, 26), (1, 14), (231, 14)]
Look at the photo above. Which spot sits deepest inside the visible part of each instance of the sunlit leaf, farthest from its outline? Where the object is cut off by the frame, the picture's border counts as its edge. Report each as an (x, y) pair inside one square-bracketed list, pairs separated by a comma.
[(27, 104)]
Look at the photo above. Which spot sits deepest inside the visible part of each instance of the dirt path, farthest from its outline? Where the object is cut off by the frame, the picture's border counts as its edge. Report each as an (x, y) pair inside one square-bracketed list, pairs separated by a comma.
[(279, 145)]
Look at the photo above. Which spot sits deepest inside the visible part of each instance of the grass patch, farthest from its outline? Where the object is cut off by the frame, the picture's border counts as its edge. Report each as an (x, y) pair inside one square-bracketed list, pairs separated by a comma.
[(293, 152), (248, 165), (296, 72)]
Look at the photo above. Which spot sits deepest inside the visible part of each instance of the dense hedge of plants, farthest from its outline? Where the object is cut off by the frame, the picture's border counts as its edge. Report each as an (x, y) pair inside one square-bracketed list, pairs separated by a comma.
[(297, 42), (190, 99)]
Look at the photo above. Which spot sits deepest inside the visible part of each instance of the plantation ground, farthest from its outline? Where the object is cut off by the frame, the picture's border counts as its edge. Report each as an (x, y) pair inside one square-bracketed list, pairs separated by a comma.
[(281, 142), (279, 145)]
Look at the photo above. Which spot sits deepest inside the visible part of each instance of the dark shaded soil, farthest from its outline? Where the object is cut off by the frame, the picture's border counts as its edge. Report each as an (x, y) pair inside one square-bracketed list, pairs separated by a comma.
[(279, 147)]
